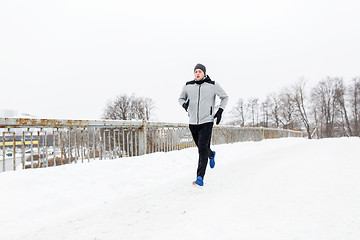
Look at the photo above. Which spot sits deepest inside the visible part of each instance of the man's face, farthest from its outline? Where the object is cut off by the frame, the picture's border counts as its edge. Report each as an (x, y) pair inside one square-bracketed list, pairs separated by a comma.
[(199, 74)]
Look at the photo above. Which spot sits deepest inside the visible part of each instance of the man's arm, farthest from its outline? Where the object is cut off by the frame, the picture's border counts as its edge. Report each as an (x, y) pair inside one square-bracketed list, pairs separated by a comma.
[(224, 98), (183, 96)]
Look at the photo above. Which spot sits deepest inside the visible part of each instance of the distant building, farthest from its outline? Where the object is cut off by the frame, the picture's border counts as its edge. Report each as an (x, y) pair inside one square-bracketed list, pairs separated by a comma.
[(8, 113)]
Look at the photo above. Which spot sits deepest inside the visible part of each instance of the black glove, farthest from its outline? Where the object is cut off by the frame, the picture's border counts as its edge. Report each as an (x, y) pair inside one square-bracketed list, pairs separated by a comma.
[(218, 115), (186, 104)]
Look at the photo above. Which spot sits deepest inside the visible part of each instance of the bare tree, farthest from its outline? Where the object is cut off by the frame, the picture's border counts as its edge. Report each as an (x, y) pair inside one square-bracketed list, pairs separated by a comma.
[(354, 93), (138, 111), (339, 95), (317, 122), (119, 108), (265, 112), (274, 106), (124, 107), (253, 106), (323, 96), (239, 112), (298, 97), (286, 110), (147, 106)]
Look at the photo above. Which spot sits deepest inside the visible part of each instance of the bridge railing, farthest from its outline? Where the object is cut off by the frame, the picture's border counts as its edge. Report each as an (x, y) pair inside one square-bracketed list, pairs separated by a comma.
[(33, 143)]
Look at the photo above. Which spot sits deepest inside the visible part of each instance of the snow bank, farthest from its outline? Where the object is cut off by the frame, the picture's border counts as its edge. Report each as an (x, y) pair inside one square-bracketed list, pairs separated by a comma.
[(273, 189)]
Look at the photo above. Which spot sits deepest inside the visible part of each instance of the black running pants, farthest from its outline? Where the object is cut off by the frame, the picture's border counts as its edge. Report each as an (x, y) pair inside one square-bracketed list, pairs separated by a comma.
[(202, 136)]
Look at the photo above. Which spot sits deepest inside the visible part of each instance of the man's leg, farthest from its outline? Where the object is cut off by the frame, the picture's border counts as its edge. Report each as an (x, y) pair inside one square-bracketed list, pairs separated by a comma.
[(204, 138), (194, 129), (210, 152)]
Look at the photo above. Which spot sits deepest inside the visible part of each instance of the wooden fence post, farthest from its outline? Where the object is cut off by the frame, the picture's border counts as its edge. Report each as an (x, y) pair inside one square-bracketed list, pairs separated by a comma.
[(143, 138)]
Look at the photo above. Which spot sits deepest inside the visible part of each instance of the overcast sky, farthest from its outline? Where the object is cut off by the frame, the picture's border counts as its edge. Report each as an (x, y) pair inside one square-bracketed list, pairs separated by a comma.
[(67, 59)]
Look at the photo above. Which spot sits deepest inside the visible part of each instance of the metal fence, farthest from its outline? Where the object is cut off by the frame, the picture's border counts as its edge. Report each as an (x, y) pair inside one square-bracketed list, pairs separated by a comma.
[(33, 143)]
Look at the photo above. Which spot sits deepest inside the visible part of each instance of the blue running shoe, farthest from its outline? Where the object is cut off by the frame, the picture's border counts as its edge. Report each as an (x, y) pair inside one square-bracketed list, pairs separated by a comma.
[(199, 181), (212, 161)]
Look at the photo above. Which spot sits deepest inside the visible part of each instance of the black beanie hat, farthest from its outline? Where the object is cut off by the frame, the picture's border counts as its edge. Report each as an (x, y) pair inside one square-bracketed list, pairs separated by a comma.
[(201, 67)]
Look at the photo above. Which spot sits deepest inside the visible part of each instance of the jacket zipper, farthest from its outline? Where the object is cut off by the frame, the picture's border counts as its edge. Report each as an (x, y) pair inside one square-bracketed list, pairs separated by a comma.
[(198, 106)]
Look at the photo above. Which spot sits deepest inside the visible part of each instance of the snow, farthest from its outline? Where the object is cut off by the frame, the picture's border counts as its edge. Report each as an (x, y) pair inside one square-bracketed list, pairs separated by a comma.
[(277, 189)]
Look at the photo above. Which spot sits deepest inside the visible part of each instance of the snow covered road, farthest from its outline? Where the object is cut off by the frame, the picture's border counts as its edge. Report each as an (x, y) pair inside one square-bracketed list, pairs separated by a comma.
[(273, 189)]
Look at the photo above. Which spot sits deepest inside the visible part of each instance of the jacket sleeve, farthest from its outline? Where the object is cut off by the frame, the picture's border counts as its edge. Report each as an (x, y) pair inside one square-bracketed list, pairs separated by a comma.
[(224, 98), (183, 96)]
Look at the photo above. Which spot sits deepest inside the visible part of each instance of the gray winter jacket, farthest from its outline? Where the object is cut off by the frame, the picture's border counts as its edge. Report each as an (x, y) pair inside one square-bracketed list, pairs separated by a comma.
[(201, 96)]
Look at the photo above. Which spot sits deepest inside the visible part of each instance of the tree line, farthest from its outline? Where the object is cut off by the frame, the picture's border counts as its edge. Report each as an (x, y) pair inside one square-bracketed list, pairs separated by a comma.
[(330, 109), (125, 107)]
